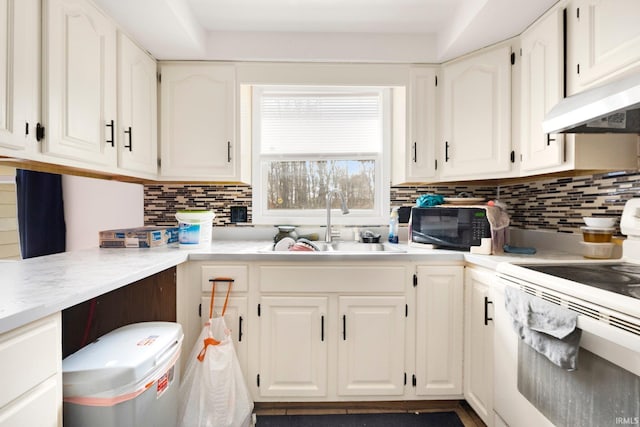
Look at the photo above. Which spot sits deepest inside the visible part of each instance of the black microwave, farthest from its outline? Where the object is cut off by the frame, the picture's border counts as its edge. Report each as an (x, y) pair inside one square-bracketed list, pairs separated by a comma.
[(449, 227)]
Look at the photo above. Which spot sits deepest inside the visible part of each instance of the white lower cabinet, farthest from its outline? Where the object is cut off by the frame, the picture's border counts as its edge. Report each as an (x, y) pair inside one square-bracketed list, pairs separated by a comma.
[(330, 332), (335, 331), (371, 345), (293, 347), (236, 313), (31, 373), (478, 354), (439, 329)]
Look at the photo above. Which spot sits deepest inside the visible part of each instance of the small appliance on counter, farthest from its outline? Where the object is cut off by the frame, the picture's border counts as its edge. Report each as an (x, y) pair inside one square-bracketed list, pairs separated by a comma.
[(459, 227)]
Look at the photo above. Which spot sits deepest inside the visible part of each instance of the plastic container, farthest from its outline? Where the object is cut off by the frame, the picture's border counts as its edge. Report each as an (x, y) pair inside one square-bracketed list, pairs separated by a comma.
[(195, 228), (128, 377), (393, 226), (597, 250), (597, 235)]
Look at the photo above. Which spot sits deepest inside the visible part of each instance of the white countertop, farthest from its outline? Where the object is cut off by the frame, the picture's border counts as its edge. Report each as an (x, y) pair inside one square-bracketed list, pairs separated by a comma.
[(37, 287)]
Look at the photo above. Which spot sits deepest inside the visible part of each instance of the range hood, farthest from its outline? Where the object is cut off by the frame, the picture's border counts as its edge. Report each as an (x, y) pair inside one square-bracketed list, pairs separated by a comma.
[(610, 108)]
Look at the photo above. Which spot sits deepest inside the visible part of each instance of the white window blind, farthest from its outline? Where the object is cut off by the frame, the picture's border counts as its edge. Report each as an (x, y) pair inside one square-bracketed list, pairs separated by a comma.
[(313, 122)]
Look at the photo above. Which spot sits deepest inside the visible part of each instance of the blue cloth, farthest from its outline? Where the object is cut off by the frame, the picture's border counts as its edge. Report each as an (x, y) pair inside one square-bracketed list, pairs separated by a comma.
[(428, 200), (40, 213)]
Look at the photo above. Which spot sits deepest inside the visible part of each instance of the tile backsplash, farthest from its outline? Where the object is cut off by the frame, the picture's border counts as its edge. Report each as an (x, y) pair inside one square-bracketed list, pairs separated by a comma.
[(542, 204), (559, 204), (161, 201)]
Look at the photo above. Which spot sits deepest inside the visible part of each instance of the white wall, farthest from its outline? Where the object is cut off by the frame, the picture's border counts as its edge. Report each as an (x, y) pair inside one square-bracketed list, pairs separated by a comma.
[(92, 205)]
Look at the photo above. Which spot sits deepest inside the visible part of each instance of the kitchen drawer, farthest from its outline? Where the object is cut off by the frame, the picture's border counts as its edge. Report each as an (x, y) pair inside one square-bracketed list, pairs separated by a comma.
[(29, 355), (342, 278), (39, 407), (237, 272)]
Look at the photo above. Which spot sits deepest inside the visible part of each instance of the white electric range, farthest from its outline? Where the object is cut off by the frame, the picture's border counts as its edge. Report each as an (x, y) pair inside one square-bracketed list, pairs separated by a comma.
[(605, 389)]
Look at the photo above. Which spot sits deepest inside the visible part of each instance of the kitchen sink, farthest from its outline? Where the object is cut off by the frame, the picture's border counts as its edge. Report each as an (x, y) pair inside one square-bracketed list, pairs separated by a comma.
[(348, 247)]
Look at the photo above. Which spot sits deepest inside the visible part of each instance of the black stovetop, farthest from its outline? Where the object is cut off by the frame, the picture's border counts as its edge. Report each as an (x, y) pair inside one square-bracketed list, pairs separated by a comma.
[(622, 278)]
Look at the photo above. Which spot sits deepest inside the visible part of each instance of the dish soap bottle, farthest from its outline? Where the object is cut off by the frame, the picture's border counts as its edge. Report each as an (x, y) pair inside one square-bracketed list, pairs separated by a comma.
[(393, 226)]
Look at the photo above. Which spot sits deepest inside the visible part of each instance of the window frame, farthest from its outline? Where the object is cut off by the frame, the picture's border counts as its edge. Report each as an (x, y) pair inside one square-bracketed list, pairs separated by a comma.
[(376, 216)]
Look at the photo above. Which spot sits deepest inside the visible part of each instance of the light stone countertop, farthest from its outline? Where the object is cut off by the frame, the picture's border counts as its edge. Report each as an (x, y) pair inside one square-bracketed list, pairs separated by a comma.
[(37, 287)]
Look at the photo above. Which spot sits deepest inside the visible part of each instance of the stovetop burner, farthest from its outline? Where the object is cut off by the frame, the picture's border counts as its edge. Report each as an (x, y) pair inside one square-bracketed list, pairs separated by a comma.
[(622, 278)]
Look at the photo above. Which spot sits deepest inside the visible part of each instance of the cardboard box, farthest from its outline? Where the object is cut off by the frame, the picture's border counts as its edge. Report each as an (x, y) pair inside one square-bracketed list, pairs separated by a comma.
[(141, 237)]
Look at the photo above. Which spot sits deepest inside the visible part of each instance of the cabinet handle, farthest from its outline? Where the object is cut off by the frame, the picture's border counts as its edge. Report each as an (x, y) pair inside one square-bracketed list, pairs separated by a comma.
[(112, 140), (446, 151), (486, 311), (26, 128), (415, 152), (228, 151), (39, 132), (321, 328), (239, 328), (130, 146), (549, 139), (344, 327)]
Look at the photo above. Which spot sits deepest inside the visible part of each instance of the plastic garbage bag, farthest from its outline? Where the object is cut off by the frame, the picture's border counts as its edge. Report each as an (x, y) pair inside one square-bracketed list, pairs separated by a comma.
[(213, 392)]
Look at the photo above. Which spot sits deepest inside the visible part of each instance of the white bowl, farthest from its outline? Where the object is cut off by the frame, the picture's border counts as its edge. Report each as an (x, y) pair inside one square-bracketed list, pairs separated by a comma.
[(599, 222)]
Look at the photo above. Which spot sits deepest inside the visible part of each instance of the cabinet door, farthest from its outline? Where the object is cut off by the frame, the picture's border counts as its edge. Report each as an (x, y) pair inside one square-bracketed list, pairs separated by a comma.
[(417, 162), (31, 356), (137, 108), (371, 345), (477, 115), (293, 347), (236, 319), (38, 407), (80, 82), (542, 89), (439, 329), (604, 40), (197, 131), (478, 349), (19, 72)]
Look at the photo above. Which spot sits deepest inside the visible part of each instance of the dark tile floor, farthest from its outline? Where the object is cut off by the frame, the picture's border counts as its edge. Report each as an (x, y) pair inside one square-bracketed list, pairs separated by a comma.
[(467, 415)]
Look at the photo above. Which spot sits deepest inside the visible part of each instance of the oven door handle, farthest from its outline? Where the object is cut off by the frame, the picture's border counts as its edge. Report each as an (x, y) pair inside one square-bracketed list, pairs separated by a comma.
[(486, 310)]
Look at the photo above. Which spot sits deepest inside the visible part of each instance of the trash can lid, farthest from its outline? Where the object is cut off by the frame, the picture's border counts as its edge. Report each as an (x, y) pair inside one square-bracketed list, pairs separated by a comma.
[(122, 358)]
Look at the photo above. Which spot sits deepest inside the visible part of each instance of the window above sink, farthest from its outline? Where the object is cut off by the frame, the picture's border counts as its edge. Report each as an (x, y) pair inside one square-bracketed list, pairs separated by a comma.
[(308, 140)]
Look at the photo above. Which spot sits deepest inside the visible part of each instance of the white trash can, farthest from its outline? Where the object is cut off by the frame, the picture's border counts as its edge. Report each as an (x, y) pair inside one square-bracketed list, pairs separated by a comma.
[(128, 377)]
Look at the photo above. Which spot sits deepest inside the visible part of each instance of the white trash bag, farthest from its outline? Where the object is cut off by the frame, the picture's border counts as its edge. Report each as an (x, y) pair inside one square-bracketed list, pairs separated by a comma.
[(213, 392)]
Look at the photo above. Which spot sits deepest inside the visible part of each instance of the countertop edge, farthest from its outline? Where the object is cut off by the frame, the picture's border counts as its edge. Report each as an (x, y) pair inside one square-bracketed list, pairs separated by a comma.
[(93, 272)]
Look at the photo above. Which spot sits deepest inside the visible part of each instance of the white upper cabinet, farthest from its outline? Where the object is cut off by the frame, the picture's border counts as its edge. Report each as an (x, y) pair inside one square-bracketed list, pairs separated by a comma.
[(79, 83), (476, 136), (604, 41), (197, 132), (19, 72), (137, 123), (541, 89), (414, 159)]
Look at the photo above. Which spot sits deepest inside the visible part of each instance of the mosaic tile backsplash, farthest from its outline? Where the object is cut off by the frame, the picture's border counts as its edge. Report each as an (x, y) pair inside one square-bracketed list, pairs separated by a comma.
[(546, 204), (559, 204), (162, 201)]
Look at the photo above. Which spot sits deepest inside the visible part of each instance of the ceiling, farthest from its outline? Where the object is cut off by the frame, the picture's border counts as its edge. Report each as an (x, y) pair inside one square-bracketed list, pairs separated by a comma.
[(425, 31)]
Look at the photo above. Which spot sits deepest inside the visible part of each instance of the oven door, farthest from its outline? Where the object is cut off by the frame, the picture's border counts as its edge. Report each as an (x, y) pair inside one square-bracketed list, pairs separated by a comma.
[(509, 405), (531, 391)]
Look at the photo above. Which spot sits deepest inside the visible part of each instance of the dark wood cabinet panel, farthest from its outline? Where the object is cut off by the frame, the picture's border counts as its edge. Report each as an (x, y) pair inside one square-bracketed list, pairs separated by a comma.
[(150, 299)]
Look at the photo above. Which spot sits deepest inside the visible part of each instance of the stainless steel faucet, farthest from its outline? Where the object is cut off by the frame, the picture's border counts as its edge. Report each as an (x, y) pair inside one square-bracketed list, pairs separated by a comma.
[(345, 210)]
